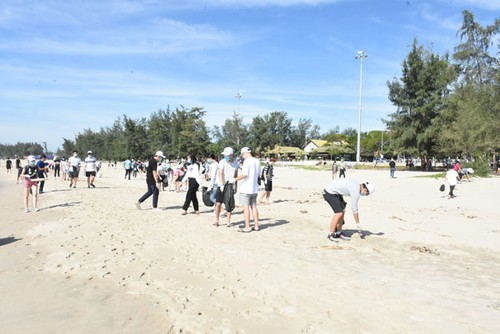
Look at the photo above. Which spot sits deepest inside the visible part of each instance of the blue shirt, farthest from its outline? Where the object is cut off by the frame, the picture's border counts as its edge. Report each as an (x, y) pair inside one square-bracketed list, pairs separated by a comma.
[(41, 164)]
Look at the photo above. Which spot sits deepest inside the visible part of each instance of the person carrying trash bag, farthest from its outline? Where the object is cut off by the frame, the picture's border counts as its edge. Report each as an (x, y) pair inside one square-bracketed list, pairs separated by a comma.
[(228, 167)]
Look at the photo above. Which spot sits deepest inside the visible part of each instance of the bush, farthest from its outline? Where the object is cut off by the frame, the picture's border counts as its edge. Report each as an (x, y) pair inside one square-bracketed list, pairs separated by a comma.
[(481, 166)]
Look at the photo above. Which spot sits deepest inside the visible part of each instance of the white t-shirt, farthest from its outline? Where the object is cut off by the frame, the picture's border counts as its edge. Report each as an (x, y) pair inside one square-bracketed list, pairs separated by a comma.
[(75, 161), (90, 164), (251, 168), (452, 177)]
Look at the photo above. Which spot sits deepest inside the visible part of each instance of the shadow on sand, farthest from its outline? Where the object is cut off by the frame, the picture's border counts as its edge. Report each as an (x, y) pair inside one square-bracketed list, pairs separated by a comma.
[(8, 240)]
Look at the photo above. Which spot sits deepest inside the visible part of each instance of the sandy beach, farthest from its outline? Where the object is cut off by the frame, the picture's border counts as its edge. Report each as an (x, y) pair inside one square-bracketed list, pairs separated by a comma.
[(90, 262)]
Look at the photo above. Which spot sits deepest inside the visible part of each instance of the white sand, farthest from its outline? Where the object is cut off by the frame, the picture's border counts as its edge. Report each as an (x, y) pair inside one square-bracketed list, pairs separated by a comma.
[(90, 262)]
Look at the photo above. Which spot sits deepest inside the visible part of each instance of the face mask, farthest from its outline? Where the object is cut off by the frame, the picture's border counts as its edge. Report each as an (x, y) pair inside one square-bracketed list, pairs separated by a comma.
[(190, 161), (74, 154), (362, 194), (209, 161), (227, 158), (32, 163)]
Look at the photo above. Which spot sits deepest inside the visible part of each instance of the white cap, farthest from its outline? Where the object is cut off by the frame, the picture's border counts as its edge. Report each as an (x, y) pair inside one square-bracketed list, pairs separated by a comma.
[(227, 151), (159, 154), (371, 187), (245, 150), (89, 152), (31, 158)]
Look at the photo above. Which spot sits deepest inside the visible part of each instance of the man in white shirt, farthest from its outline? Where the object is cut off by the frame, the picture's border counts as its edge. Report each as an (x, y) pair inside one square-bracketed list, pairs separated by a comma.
[(74, 169), (249, 188), (90, 169)]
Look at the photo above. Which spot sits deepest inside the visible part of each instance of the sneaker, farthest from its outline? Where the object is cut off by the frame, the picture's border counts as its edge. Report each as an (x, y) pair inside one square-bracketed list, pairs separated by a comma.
[(26, 210), (331, 237), (138, 205), (37, 209), (157, 209)]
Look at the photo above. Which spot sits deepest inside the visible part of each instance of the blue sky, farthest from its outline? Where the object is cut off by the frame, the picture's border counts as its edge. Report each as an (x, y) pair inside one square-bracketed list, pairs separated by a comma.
[(70, 65)]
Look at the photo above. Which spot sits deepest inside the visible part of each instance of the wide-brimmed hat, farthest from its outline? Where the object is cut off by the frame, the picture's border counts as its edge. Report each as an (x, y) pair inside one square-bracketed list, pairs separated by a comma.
[(159, 154)]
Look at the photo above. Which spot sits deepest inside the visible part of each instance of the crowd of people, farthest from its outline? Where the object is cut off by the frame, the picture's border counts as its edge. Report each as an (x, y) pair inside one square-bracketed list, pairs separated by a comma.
[(225, 177)]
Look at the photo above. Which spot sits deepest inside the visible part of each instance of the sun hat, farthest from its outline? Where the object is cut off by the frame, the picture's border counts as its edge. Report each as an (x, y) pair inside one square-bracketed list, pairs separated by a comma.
[(31, 158), (371, 187), (89, 152), (245, 150), (159, 154), (227, 151)]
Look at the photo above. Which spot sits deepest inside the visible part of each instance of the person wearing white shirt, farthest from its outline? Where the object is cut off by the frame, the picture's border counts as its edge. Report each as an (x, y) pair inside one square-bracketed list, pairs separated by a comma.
[(90, 169), (249, 188), (194, 181), (74, 163)]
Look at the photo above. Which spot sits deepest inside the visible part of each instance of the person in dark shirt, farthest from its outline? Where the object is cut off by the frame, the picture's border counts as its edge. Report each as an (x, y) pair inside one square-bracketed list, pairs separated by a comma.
[(392, 167), (8, 165), (42, 171), (152, 180), (28, 173)]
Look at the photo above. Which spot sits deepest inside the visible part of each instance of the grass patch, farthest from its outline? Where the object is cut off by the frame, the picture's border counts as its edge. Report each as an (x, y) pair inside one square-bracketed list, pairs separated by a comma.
[(433, 176)]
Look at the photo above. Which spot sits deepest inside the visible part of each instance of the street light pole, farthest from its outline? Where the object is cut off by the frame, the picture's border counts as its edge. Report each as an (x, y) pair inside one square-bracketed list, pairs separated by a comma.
[(238, 96), (360, 55)]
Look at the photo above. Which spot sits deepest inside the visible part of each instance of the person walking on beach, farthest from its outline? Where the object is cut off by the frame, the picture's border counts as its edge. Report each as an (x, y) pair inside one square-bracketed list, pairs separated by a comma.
[(334, 194), (8, 165), (392, 168), (74, 169), (127, 164), (227, 172), (152, 180), (57, 167), (334, 169), (90, 169), (19, 169), (268, 175), (42, 171), (249, 188), (29, 172), (342, 169), (194, 181), (452, 178)]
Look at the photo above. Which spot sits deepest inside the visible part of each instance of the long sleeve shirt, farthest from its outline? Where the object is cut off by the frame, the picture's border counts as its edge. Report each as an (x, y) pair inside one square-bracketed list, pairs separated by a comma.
[(346, 187)]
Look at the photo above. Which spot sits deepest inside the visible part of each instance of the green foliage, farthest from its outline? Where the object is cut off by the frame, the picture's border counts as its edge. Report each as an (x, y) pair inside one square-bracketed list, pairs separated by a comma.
[(21, 150), (481, 166), (419, 95)]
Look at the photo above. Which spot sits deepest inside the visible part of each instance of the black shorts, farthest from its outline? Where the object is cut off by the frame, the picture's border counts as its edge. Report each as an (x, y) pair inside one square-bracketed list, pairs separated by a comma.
[(336, 201), (268, 186), (218, 196), (87, 174)]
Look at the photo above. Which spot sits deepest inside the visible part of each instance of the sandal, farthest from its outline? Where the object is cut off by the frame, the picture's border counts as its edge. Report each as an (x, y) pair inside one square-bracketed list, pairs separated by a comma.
[(215, 224), (244, 231)]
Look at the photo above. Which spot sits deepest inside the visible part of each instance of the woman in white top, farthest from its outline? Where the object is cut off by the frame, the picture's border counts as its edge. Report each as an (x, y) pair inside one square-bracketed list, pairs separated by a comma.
[(194, 181)]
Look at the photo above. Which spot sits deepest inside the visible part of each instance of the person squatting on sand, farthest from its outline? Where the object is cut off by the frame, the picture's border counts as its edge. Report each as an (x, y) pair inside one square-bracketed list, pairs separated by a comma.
[(333, 195), (227, 172), (152, 180), (248, 179), (30, 171), (194, 181)]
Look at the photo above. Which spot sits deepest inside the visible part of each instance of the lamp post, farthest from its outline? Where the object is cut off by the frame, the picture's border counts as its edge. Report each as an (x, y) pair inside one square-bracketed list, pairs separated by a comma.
[(238, 96), (360, 55)]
